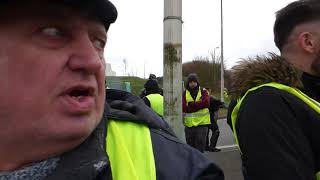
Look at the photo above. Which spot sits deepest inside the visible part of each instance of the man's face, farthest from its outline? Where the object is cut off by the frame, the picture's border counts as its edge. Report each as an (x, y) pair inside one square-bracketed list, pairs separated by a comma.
[(51, 73), (193, 84)]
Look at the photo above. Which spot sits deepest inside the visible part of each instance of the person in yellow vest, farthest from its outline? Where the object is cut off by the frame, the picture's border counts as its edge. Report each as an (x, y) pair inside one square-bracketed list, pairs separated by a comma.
[(276, 120), (153, 98), (143, 91), (57, 120), (196, 115)]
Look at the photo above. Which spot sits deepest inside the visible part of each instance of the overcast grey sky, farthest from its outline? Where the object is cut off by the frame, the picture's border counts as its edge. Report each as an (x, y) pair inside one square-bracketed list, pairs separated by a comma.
[(137, 35)]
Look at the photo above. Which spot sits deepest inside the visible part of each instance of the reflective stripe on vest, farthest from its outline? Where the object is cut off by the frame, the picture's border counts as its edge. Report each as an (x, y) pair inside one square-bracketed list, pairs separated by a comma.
[(296, 92), (200, 117), (156, 103), (129, 148)]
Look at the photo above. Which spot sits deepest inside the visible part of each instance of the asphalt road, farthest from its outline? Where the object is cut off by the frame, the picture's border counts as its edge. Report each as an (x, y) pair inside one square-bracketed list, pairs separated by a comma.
[(229, 158)]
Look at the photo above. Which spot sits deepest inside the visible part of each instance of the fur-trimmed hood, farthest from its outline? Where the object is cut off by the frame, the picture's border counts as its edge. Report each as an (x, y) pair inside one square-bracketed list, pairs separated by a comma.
[(253, 72)]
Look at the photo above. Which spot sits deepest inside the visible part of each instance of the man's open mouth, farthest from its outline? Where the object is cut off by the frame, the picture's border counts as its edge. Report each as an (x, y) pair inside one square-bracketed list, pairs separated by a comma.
[(79, 99), (79, 92)]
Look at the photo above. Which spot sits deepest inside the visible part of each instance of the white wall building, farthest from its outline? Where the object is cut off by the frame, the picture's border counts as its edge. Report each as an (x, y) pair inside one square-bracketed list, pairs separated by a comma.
[(109, 71)]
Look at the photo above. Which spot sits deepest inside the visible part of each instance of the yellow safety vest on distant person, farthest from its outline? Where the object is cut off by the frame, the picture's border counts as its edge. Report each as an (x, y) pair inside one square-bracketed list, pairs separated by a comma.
[(296, 92), (130, 151), (156, 103), (200, 117)]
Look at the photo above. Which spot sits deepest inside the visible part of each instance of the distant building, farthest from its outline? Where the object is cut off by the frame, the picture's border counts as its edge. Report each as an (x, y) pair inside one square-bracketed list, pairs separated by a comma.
[(109, 71)]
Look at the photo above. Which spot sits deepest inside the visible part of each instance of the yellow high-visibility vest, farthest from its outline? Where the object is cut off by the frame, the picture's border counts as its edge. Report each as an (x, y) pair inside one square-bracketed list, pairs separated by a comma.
[(200, 117), (294, 91), (156, 103), (130, 151)]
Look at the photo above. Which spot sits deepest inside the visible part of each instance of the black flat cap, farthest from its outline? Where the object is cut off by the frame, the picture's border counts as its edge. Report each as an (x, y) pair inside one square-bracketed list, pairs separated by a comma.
[(104, 10)]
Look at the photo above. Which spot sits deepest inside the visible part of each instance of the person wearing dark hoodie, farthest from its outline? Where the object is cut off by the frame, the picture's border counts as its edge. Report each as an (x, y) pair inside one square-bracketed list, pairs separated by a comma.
[(153, 98), (211, 142), (276, 119), (196, 115), (143, 91)]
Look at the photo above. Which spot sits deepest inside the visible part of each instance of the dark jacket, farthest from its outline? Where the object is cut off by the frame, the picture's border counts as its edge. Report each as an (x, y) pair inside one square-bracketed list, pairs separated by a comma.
[(278, 133), (173, 159), (214, 106), (232, 104)]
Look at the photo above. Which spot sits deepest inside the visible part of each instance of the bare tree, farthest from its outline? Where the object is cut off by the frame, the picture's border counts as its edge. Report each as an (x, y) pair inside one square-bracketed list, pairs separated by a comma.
[(208, 71)]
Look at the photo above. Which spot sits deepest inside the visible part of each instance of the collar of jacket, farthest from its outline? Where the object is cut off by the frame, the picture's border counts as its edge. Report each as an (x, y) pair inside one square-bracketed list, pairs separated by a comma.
[(253, 72), (311, 85), (194, 91), (123, 106)]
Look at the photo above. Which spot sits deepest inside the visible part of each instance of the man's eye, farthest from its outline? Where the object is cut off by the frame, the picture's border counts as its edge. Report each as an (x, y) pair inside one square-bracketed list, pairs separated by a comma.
[(51, 36), (52, 31), (99, 44)]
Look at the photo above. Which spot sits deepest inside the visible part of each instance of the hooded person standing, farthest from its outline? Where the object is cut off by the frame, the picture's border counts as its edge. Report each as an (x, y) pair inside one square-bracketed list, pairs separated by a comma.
[(196, 115), (211, 142), (151, 78), (153, 98)]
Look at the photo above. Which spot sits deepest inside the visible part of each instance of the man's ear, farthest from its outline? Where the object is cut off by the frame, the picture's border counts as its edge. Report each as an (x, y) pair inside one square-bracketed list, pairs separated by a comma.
[(308, 42)]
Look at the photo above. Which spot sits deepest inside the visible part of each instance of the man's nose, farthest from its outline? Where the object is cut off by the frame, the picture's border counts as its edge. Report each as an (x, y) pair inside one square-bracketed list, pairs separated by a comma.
[(85, 57)]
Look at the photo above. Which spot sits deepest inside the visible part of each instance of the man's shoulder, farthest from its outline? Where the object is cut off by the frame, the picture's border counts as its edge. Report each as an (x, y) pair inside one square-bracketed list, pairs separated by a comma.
[(264, 108), (265, 95), (263, 99), (268, 103)]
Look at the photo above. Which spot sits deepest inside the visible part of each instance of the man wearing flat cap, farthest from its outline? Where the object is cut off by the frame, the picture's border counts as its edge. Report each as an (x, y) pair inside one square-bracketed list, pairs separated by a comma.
[(56, 121)]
